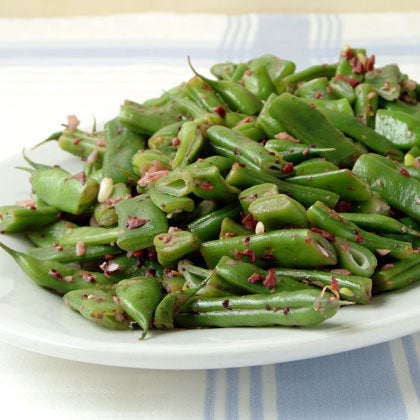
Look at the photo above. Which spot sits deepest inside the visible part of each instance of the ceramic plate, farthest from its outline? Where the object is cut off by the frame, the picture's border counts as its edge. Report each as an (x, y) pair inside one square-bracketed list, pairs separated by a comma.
[(37, 320)]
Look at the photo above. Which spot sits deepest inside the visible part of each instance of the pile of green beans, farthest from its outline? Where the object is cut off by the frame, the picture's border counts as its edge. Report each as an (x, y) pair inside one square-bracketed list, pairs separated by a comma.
[(260, 197)]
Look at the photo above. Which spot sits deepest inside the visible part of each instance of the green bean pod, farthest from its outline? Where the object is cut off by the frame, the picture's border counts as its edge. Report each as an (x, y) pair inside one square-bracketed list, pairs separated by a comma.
[(169, 306), (249, 195), (259, 82), (248, 278), (144, 120), (246, 177), (355, 258), (21, 219), (83, 144), (191, 141), (266, 121), (397, 275), (342, 90), (310, 126), (324, 218), (338, 105), (237, 146), (386, 81), (379, 223), (345, 65), (73, 194), (89, 235), (295, 152), (170, 247), (277, 68), (395, 187), (139, 221), (162, 139), (236, 96), (343, 182), (353, 127), (139, 297), (251, 131), (168, 203), (230, 228), (49, 234), (278, 211), (202, 94), (68, 254), (301, 313), (402, 129), (98, 306), (316, 89), (207, 227), (366, 104), (121, 145), (57, 276), (351, 288), (314, 166), (287, 248)]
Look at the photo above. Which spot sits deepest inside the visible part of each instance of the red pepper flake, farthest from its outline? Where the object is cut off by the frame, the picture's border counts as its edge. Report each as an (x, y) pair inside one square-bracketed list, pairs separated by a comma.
[(176, 141), (411, 279), (166, 239), (229, 235), (351, 81), (347, 54), (334, 283), (219, 110), (256, 278), (251, 254), (205, 186), (345, 246), (231, 262), (329, 89), (275, 309), (342, 271), (326, 235), (386, 267), (267, 307), (246, 240), (370, 62), (268, 258), (386, 85), (288, 167), (250, 222), (383, 252), (243, 121), (235, 151), (81, 176), (404, 172), (378, 182), (225, 304), (308, 240), (286, 136), (311, 104), (109, 267), (357, 66), (152, 254), (305, 152), (134, 222), (150, 272), (270, 279), (77, 141), (286, 311), (119, 130), (359, 238), (343, 206), (55, 274), (318, 95)]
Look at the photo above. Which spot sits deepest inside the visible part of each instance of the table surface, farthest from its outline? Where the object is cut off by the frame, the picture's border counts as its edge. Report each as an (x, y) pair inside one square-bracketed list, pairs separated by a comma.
[(50, 68)]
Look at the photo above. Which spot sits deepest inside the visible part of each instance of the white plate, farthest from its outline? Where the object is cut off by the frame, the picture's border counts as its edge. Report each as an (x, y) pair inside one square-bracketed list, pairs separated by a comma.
[(37, 320)]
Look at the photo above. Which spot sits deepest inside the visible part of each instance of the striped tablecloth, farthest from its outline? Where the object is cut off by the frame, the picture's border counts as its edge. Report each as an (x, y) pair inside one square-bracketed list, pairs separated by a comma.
[(54, 67)]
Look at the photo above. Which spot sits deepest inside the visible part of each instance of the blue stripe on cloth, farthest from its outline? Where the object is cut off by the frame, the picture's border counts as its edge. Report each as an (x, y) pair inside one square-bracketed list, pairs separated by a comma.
[(359, 384), (232, 394), (413, 362), (256, 403), (210, 395)]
